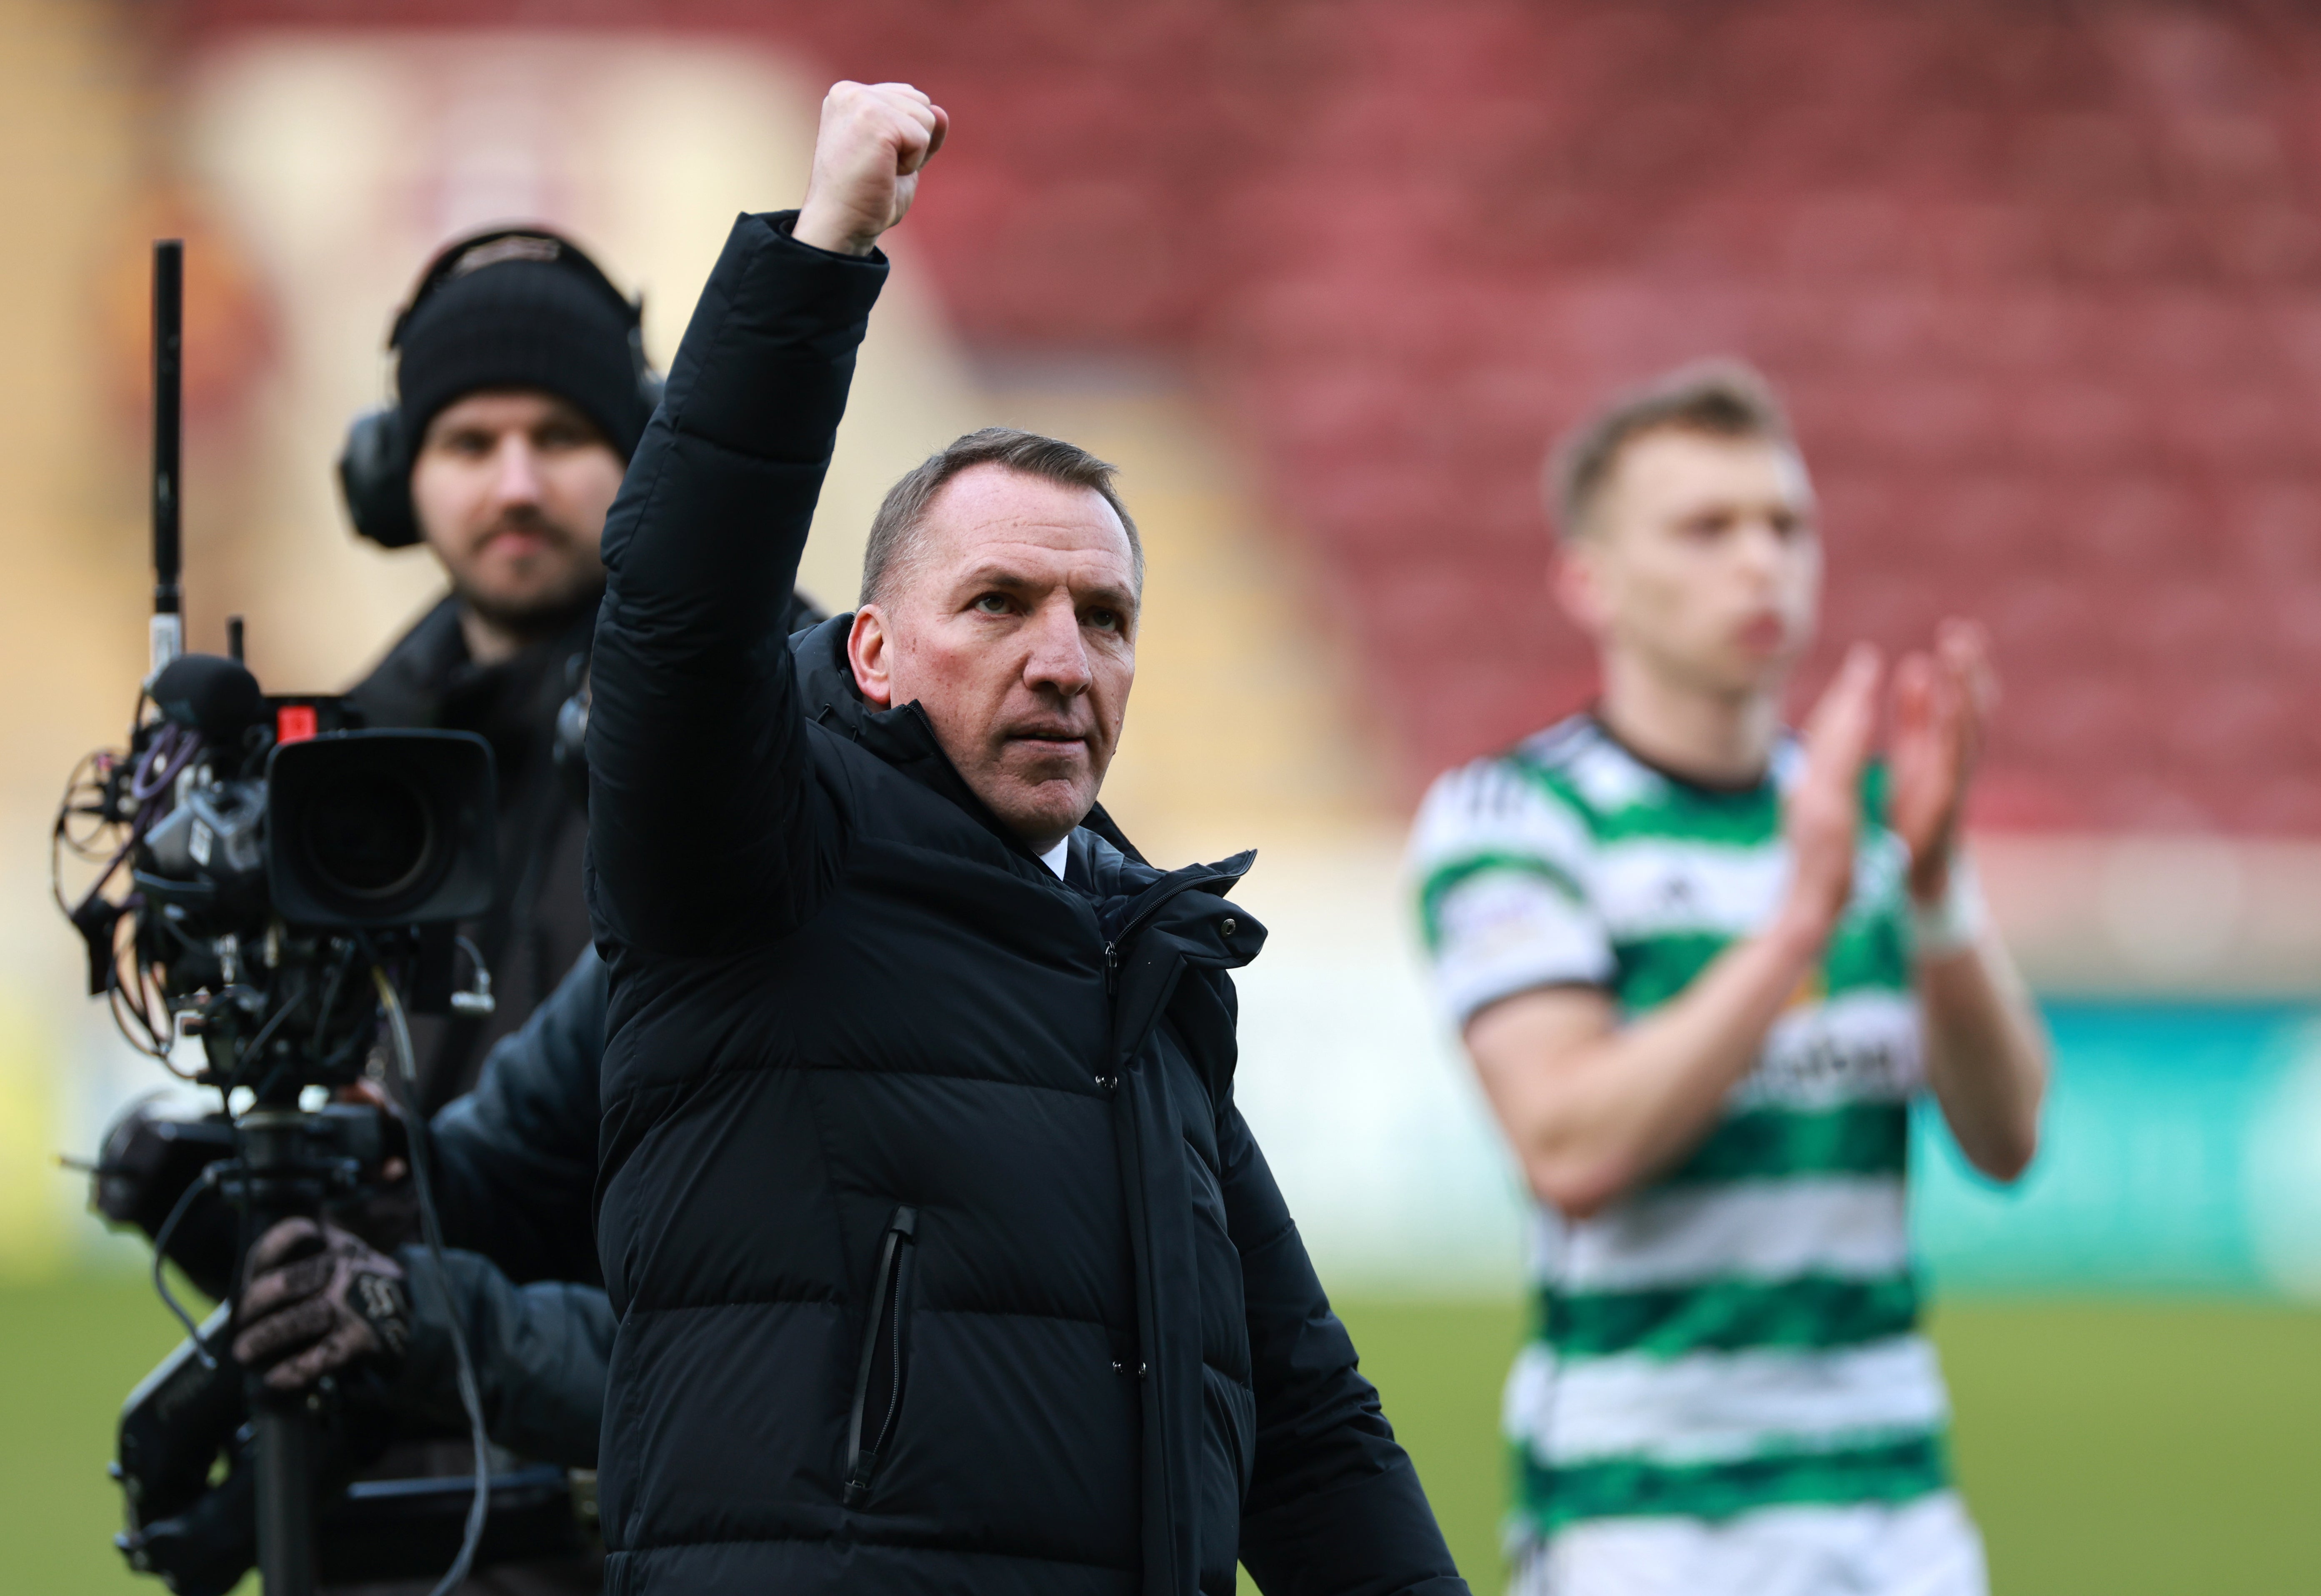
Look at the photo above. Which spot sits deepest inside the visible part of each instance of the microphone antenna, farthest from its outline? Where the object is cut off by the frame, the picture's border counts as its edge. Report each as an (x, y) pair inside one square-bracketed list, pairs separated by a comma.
[(169, 626)]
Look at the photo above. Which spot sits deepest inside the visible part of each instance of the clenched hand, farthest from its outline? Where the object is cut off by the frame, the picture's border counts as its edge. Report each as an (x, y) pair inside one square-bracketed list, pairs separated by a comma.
[(875, 140)]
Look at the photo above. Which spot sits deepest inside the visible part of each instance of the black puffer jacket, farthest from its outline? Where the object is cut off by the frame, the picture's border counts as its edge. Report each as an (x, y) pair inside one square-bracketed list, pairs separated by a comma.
[(516, 1159), (515, 1167), (943, 1259), (539, 919)]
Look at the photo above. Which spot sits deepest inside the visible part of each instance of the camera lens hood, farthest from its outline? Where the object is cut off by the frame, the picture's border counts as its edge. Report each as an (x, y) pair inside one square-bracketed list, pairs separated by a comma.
[(380, 828)]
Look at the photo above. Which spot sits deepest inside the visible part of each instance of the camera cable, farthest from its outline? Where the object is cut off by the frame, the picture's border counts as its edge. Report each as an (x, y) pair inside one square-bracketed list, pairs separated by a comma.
[(161, 1256), (431, 1231)]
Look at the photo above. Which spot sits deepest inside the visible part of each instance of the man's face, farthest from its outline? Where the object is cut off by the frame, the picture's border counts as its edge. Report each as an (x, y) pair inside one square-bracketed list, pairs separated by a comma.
[(1014, 627), (512, 487), (1701, 564)]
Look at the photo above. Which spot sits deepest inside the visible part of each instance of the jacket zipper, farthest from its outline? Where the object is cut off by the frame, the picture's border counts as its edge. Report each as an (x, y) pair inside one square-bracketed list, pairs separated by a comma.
[(1140, 1221), (889, 1295)]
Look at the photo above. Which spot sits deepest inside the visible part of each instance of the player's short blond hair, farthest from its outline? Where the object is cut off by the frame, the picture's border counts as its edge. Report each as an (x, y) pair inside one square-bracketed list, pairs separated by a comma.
[(1722, 398)]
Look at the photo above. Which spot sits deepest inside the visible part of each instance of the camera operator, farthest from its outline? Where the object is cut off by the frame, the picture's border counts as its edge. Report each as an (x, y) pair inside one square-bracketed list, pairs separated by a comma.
[(520, 391), (520, 375)]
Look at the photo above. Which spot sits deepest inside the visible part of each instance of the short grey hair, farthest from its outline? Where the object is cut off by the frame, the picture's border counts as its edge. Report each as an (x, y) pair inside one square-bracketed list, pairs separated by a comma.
[(1724, 399), (894, 530)]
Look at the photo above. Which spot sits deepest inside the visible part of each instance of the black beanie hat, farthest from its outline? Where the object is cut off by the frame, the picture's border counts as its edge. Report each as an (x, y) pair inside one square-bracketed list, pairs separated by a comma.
[(535, 313)]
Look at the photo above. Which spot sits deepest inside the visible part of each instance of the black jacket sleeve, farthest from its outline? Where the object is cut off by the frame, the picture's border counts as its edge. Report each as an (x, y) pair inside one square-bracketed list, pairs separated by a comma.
[(706, 824), (514, 1161), (540, 1354), (1335, 1507)]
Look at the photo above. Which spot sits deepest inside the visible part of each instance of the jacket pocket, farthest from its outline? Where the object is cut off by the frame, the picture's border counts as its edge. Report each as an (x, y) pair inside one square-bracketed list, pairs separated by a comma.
[(878, 1378)]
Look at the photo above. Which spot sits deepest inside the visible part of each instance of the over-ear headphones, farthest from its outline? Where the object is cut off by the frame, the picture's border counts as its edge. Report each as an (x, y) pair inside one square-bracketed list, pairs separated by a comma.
[(373, 465)]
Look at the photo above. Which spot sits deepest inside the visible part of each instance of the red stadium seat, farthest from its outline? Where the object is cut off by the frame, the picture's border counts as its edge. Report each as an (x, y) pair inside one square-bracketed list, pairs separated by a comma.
[(2043, 289)]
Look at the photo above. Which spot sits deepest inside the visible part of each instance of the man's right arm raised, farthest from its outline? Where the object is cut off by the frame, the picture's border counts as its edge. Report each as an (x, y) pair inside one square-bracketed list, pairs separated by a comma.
[(705, 820)]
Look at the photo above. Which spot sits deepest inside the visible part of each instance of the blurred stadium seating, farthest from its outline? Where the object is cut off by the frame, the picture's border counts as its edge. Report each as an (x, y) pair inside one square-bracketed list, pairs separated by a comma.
[(2044, 288)]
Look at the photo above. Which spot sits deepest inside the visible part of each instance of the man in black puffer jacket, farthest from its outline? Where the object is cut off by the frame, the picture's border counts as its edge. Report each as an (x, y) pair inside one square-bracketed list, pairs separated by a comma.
[(943, 1259)]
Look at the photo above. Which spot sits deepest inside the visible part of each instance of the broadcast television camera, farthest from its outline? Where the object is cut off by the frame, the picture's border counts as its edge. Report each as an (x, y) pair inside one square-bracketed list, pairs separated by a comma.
[(284, 886), (275, 857)]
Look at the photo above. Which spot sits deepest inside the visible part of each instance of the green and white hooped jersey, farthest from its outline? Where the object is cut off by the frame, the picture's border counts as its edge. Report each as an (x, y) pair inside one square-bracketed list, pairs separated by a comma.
[(1742, 1333)]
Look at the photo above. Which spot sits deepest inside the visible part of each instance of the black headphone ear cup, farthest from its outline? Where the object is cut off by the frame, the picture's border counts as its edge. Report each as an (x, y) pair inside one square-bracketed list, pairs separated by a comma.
[(375, 477)]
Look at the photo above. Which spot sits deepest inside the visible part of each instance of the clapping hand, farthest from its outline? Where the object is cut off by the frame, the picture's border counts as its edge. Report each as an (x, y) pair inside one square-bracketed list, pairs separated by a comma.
[(1941, 702), (1822, 814)]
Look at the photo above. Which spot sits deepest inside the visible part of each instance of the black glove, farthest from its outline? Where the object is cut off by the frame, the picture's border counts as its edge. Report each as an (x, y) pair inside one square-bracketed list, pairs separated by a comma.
[(317, 1299)]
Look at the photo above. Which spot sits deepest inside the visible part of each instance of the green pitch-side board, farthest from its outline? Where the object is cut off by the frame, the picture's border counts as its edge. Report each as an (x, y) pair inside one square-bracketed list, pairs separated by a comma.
[(2181, 1154)]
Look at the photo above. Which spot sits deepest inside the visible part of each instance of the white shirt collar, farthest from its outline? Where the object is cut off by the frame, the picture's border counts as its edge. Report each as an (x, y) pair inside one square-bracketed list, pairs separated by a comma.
[(1054, 857)]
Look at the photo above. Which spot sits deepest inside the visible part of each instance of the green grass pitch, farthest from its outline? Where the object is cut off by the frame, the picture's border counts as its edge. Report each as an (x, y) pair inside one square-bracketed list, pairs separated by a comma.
[(2106, 1447)]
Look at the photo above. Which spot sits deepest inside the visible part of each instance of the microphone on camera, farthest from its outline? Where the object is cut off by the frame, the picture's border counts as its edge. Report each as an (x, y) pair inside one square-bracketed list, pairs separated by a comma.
[(209, 694)]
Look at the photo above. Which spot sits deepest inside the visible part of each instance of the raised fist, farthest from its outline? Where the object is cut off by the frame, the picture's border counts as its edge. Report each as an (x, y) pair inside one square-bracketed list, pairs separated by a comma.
[(316, 1300), (874, 140)]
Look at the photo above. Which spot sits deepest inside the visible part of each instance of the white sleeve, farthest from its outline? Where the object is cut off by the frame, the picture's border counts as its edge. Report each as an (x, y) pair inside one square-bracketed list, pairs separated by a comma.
[(1503, 871)]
